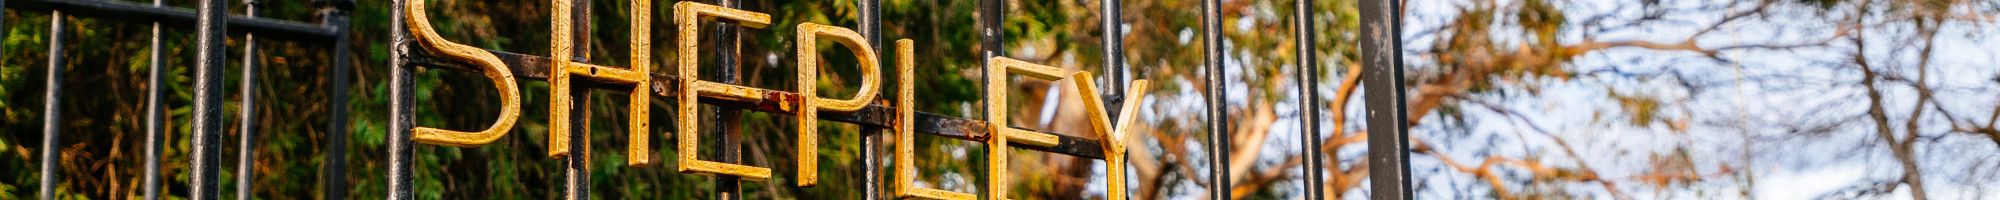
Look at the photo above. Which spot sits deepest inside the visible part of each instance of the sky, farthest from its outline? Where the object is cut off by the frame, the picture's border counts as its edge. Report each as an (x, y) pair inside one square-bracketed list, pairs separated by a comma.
[(1743, 121), (1746, 118), (1761, 91)]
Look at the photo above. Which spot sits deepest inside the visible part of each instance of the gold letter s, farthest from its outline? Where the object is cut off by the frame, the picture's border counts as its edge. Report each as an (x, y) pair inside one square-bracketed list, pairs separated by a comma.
[(503, 78)]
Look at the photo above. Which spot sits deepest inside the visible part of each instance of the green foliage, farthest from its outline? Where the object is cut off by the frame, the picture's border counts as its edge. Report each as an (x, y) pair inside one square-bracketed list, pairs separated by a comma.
[(104, 83)]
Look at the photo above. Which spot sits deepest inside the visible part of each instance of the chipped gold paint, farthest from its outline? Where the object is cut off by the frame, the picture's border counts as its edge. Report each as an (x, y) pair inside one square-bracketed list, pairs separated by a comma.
[(564, 69), (1111, 135), (731, 92), (686, 16), (905, 131), (808, 82), (503, 78), (996, 118)]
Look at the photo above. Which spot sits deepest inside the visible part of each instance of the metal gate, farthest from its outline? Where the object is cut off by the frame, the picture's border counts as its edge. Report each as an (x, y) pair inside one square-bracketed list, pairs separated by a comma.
[(1380, 50)]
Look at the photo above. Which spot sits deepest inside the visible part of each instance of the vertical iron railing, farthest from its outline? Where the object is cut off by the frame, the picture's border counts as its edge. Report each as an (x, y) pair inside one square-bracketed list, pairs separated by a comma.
[(1309, 108), (246, 108), (209, 20), (1114, 54), (576, 166), (400, 98), (990, 17), (333, 178), (871, 29), (1382, 78), (1218, 108), (726, 71), (52, 106), (154, 136), (209, 33)]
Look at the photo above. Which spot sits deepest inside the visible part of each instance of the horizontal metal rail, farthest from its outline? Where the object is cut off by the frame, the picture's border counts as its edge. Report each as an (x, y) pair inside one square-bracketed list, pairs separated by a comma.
[(877, 114), (178, 18)]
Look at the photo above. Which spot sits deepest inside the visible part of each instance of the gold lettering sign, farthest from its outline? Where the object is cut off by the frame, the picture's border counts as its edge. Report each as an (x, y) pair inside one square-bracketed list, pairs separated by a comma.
[(809, 101), (686, 15), (905, 131), (563, 69), (1112, 134), (996, 119), (503, 78)]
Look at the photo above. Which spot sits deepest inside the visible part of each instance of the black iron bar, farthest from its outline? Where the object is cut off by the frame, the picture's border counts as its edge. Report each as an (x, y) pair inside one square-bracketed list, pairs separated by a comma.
[(400, 101), (576, 172), (729, 134), (207, 95), (1114, 55), (1309, 108), (871, 28), (990, 16), (178, 17), (576, 166), (52, 107), (1218, 123), (153, 133), (246, 129), (1382, 77), (333, 177)]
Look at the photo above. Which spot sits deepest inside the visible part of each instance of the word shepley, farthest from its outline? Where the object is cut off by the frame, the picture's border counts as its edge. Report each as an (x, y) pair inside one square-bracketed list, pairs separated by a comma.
[(687, 15)]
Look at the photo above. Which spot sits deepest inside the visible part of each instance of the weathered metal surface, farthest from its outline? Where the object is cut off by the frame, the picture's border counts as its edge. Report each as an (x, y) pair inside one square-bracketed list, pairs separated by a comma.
[(905, 131), (560, 51), (1218, 109), (990, 16), (871, 28), (685, 19), (996, 113), (400, 100), (576, 167), (52, 107), (810, 103), (502, 78), (1309, 111), (570, 40), (1382, 77), (209, 55), (727, 137), (177, 17), (573, 26)]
